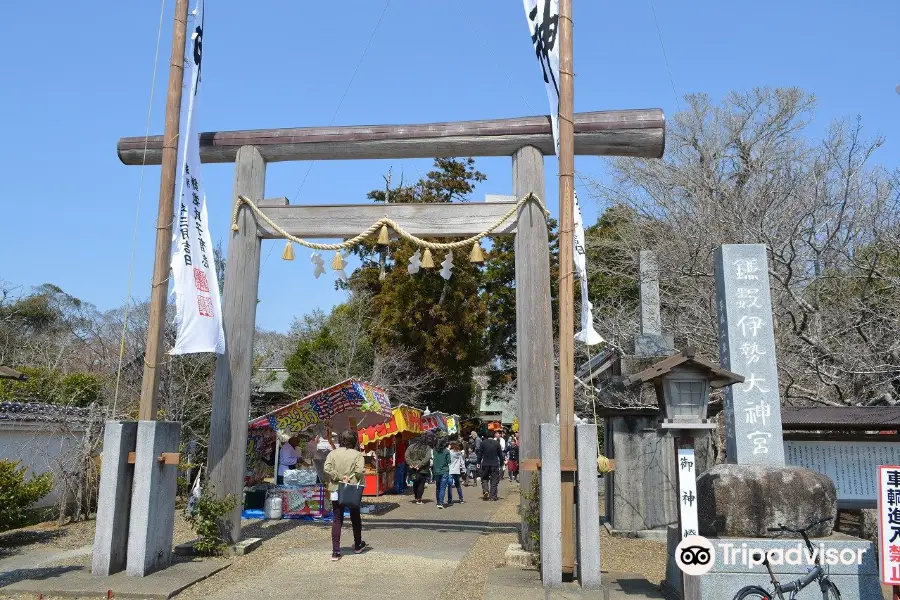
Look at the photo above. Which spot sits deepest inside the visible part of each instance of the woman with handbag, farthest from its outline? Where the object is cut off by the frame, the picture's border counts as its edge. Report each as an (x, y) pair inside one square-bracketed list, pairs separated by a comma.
[(344, 468)]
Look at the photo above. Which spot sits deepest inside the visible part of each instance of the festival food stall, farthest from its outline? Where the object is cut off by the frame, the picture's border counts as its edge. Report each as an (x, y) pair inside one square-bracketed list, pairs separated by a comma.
[(381, 441), (438, 421), (351, 404)]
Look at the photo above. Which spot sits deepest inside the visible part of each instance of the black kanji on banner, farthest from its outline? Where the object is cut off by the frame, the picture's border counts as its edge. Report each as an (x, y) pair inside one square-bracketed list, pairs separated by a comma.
[(544, 39), (198, 48)]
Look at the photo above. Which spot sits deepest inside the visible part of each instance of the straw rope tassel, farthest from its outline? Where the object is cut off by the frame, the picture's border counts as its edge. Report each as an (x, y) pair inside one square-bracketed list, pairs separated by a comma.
[(383, 239), (477, 256), (427, 261), (288, 253), (338, 262)]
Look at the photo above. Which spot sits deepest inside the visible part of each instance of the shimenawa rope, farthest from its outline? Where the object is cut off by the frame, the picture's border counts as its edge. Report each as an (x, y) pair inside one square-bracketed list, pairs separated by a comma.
[(383, 222)]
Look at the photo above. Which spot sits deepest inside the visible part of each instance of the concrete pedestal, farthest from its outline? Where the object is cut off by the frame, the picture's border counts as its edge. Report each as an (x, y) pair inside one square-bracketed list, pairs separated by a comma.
[(855, 582), (153, 500), (114, 498), (588, 523), (551, 511)]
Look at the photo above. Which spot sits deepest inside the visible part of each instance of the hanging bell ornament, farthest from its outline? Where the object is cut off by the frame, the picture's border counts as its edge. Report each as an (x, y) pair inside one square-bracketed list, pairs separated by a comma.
[(288, 253), (427, 261), (477, 256), (337, 262), (383, 239)]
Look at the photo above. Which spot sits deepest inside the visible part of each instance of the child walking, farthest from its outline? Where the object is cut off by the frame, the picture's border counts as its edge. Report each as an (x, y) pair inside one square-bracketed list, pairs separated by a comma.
[(457, 466)]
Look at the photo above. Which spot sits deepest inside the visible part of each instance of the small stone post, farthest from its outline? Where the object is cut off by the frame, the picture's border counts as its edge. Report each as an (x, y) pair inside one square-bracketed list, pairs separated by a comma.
[(588, 511), (152, 519), (551, 510), (114, 498)]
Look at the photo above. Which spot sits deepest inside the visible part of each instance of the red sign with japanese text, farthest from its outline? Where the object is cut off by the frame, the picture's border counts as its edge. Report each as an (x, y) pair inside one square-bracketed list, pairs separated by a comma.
[(889, 524)]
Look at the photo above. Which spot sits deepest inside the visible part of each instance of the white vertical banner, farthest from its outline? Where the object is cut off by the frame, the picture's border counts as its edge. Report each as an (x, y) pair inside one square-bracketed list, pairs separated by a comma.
[(687, 492), (587, 334), (889, 524), (198, 316), (543, 22)]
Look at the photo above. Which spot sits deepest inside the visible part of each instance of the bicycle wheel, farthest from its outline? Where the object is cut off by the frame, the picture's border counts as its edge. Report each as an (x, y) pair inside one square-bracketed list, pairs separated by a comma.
[(752, 592), (830, 592)]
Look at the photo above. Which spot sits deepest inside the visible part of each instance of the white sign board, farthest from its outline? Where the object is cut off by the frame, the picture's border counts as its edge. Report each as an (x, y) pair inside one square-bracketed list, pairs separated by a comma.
[(687, 492), (851, 465), (889, 524)]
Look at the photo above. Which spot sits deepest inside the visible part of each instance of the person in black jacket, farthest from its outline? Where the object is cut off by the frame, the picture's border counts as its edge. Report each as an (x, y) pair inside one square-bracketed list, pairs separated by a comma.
[(490, 459)]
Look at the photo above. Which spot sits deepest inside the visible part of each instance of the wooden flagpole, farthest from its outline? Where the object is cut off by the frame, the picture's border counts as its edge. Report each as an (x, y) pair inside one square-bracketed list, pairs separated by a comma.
[(566, 285), (161, 267)]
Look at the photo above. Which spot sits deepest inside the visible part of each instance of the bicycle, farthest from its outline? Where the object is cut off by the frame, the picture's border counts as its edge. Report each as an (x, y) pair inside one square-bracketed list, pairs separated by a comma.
[(817, 573)]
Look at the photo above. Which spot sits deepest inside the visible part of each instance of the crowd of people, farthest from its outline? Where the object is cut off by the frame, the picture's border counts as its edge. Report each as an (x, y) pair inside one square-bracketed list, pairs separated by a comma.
[(448, 464), (453, 464)]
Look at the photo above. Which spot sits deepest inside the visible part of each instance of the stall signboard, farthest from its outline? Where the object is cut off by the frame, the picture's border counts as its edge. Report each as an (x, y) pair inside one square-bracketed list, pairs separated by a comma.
[(404, 419), (451, 424), (434, 421), (324, 405), (260, 445)]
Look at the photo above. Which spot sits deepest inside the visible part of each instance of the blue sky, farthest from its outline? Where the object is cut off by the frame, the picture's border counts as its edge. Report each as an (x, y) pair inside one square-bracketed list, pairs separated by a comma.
[(84, 78)]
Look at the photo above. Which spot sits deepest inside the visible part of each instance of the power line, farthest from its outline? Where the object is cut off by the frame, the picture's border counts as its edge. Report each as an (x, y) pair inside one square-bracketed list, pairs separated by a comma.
[(665, 56), (137, 216), (336, 110), (349, 83)]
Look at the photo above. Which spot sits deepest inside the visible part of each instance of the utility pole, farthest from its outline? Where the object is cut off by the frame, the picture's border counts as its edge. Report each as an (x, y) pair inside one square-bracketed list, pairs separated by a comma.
[(566, 285), (161, 264)]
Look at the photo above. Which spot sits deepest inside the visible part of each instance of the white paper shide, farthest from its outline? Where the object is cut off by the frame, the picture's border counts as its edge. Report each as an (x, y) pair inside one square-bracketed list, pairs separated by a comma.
[(198, 316)]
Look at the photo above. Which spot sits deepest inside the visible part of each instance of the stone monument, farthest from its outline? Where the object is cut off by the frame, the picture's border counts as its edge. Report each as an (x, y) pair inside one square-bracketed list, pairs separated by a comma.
[(754, 491), (651, 341)]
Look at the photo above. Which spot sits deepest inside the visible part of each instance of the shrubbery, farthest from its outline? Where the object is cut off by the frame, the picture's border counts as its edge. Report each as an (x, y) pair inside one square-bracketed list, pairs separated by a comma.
[(206, 521), (47, 385), (17, 493)]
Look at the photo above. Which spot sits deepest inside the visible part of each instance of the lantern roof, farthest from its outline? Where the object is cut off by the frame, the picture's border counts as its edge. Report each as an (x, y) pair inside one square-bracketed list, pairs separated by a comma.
[(688, 358)]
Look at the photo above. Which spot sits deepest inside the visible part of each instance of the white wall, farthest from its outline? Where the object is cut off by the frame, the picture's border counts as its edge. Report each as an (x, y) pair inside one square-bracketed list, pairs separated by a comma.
[(39, 447)]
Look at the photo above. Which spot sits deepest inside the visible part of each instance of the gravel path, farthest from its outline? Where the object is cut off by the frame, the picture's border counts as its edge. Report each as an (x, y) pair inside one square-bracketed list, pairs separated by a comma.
[(471, 575), (630, 555), (453, 547)]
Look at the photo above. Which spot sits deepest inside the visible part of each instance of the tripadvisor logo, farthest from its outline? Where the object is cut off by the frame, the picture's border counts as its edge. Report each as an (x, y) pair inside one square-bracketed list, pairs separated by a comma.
[(696, 555)]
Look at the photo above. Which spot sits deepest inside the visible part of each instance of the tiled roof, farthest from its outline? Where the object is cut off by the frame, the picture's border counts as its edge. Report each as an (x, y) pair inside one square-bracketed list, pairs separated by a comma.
[(42, 413), (841, 417)]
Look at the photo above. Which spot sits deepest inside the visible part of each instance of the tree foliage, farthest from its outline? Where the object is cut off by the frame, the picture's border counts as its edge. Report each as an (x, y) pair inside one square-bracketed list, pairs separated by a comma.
[(331, 348), (452, 326)]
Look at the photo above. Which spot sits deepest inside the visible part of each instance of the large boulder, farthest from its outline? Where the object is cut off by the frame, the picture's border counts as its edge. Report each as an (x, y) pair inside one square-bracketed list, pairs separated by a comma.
[(745, 500)]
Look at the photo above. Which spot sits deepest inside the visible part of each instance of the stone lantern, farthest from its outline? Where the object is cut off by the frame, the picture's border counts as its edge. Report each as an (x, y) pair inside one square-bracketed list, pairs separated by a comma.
[(682, 383)]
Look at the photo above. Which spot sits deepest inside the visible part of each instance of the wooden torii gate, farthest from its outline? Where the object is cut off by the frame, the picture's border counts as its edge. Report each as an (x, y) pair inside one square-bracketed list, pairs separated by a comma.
[(636, 133)]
